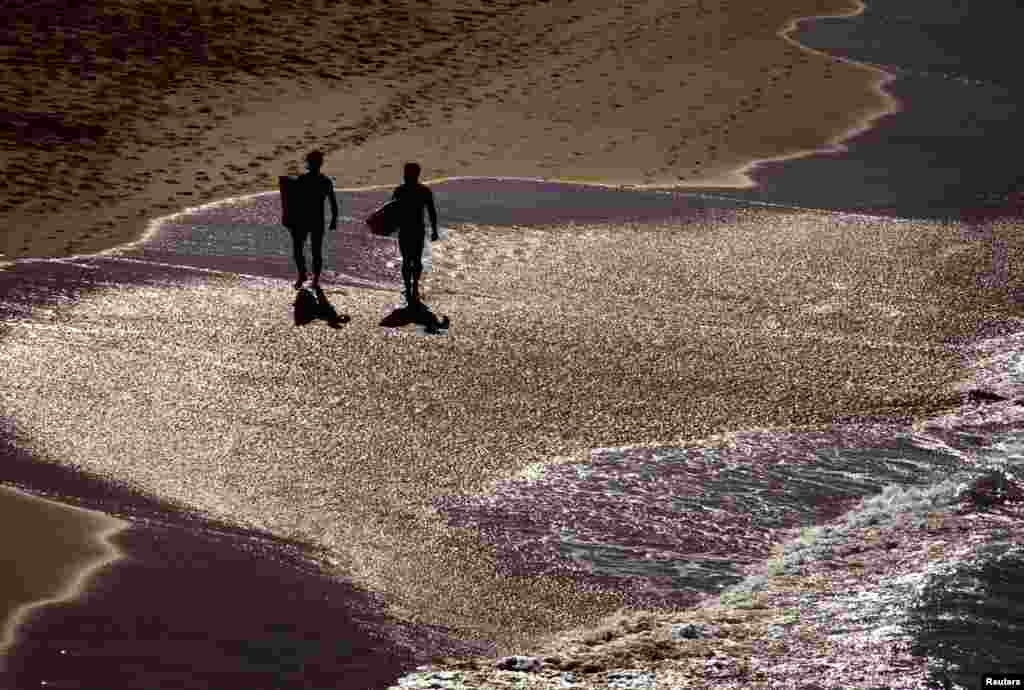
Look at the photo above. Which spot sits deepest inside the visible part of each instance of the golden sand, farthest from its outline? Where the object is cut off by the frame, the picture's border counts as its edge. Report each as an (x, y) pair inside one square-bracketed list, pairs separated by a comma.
[(208, 396), (116, 112)]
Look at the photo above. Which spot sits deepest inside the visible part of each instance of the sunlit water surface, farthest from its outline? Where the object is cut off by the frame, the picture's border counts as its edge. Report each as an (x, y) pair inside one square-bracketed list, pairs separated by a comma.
[(557, 421)]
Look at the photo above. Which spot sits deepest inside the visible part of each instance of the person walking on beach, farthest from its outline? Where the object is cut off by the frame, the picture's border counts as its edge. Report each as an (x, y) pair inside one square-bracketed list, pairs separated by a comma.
[(413, 197), (308, 216)]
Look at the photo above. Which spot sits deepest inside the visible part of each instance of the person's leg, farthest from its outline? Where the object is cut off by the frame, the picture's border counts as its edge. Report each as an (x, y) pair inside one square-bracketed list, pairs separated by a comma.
[(298, 243), (407, 283), (417, 269), (317, 246), (404, 246), (417, 266), (411, 245)]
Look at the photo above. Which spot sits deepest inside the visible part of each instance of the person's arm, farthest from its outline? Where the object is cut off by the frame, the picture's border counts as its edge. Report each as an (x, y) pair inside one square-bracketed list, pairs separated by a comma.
[(432, 211), (334, 204)]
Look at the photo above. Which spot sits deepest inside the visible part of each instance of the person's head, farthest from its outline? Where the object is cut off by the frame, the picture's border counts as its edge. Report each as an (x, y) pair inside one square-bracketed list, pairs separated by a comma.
[(314, 160), (412, 172)]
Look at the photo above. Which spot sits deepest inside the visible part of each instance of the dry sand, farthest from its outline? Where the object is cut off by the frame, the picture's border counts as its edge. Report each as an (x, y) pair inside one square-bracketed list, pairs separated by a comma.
[(115, 112)]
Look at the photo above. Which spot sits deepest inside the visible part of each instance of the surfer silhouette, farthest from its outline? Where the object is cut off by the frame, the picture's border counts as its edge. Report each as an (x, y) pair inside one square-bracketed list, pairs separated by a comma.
[(413, 197), (307, 216)]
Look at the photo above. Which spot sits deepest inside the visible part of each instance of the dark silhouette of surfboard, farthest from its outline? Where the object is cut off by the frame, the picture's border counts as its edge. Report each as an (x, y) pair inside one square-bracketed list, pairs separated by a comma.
[(384, 221), (288, 187)]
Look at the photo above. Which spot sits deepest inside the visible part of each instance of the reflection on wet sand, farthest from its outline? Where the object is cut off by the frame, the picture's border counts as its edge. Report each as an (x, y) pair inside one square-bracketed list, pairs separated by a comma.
[(667, 320)]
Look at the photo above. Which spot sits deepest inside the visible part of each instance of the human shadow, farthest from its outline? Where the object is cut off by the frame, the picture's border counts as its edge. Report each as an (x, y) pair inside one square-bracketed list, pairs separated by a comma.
[(420, 315), (311, 305)]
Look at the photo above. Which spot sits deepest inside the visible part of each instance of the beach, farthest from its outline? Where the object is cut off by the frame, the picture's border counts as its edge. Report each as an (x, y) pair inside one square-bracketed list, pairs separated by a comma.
[(645, 331), (120, 112), (57, 549)]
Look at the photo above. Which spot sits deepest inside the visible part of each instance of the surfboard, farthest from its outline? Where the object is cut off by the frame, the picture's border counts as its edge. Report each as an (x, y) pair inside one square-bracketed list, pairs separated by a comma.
[(384, 221), (288, 187)]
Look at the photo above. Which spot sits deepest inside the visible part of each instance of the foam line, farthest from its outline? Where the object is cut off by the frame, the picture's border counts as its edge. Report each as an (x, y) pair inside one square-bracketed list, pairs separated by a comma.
[(154, 225), (76, 583), (198, 269)]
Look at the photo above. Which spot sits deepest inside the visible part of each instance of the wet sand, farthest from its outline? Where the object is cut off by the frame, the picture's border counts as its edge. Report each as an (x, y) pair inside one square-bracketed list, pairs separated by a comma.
[(190, 602), (739, 319), (51, 550)]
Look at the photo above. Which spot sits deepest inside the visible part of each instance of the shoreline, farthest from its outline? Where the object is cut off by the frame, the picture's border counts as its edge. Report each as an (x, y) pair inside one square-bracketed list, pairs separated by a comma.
[(745, 177), (352, 147), (912, 165), (793, 229), (50, 571), (208, 573)]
